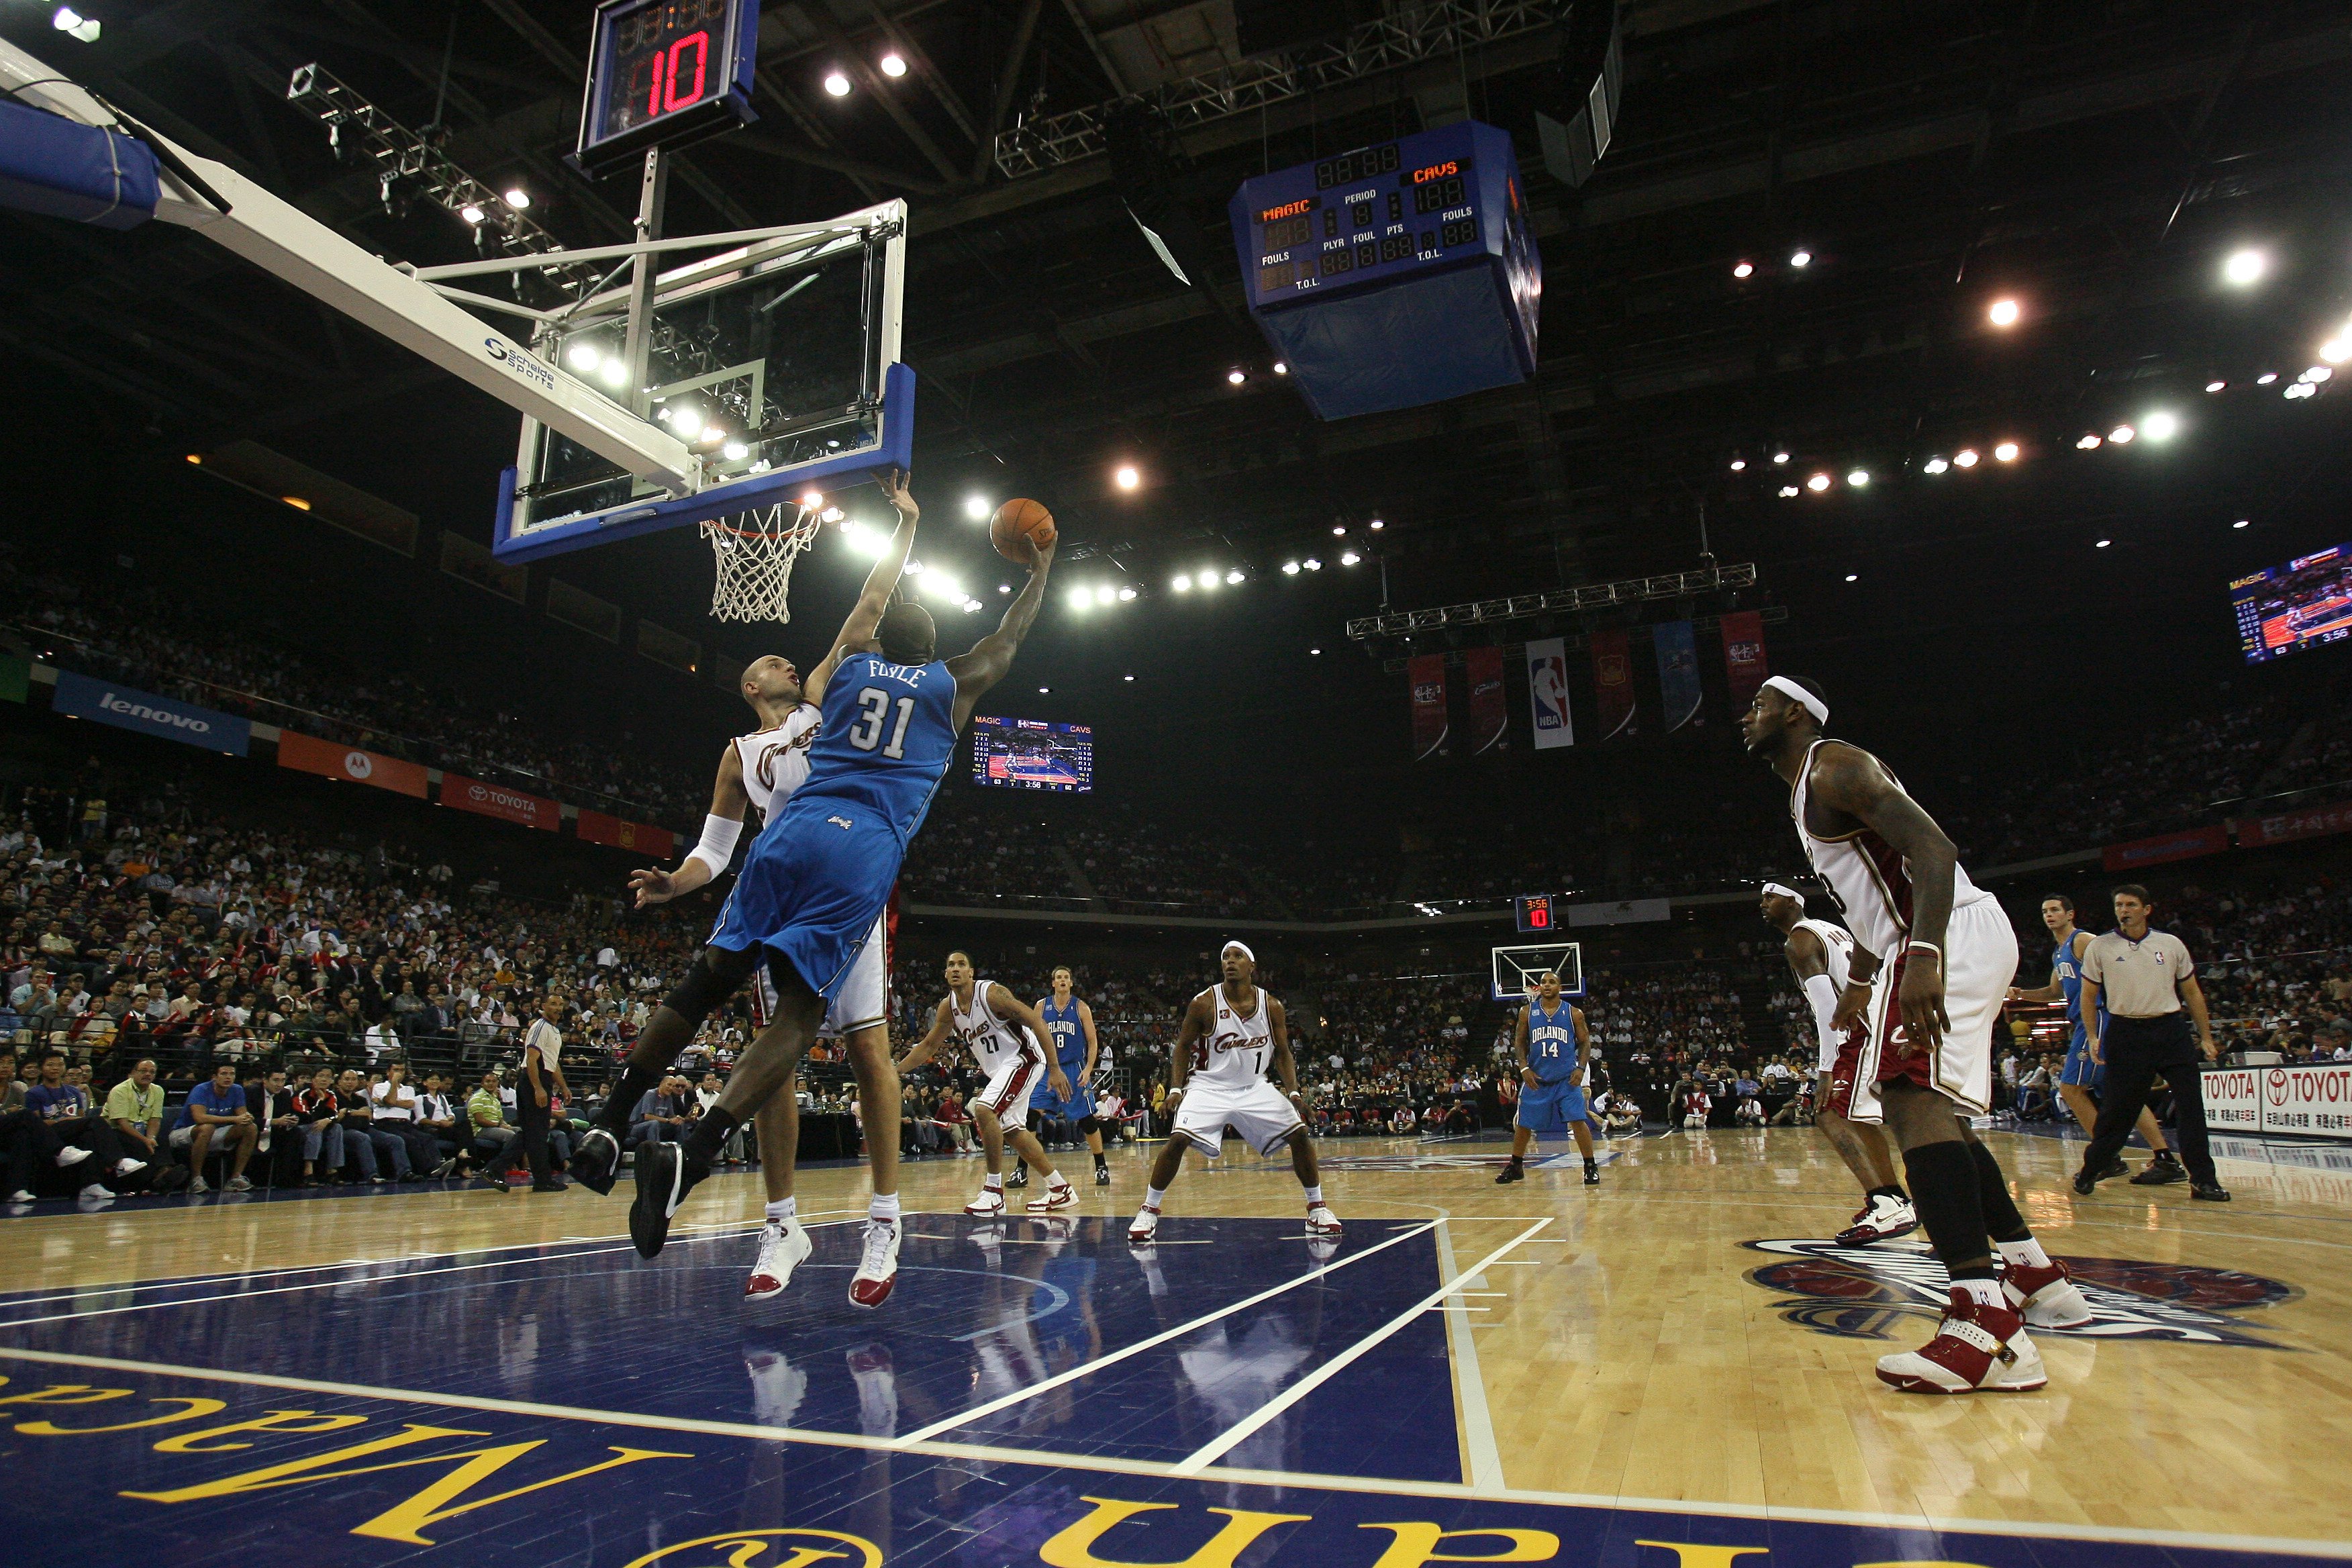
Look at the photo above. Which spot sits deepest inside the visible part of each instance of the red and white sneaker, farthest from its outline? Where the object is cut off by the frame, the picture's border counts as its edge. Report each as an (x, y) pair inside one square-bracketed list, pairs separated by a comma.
[(783, 1247), (2045, 1297), (1880, 1219), (1145, 1224), (1060, 1195), (878, 1270), (1321, 1221), (991, 1202), (1976, 1347)]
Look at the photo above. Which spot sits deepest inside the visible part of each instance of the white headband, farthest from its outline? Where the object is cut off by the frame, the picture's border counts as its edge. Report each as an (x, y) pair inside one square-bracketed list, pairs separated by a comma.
[(1801, 696), (1786, 892), (1237, 943)]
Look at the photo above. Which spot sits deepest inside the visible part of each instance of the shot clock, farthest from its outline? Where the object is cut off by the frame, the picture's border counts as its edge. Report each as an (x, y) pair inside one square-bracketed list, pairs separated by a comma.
[(665, 73), (1537, 914)]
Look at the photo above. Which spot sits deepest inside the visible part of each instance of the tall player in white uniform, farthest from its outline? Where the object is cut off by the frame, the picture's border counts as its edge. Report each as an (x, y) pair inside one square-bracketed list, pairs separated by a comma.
[(759, 771), (1821, 955), (1216, 1078), (1934, 955), (1005, 1037)]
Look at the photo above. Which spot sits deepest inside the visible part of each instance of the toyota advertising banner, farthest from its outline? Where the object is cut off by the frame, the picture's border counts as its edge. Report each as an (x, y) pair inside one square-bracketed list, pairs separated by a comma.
[(497, 800), (2310, 1102), (2233, 1099)]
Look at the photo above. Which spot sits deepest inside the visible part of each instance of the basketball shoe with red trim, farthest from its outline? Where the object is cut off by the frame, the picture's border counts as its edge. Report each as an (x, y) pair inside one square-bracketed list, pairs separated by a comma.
[(1320, 1220), (1883, 1218), (1976, 1347), (2045, 1297), (1146, 1222), (1060, 1195), (783, 1247), (877, 1270)]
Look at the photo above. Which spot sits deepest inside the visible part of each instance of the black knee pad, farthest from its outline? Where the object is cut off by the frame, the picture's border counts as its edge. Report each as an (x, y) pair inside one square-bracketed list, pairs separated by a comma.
[(716, 974), (1089, 1127)]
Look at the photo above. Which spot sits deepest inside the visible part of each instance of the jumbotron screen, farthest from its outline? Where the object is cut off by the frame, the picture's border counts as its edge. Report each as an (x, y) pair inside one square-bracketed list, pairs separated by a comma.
[(1029, 754), (2301, 604)]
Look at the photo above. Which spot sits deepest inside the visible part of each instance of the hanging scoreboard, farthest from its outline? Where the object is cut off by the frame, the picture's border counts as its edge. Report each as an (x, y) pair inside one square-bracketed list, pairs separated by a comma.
[(1396, 274), (665, 73), (1536, 913)]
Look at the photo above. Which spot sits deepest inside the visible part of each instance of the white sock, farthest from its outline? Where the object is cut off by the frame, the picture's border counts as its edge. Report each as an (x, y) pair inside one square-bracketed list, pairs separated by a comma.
[(1984, 1292), (883, 1205), (1314, 1195), (783, 1209), (1059, 1180), (993, 1182), (2028, 1253), (1151, 1196)]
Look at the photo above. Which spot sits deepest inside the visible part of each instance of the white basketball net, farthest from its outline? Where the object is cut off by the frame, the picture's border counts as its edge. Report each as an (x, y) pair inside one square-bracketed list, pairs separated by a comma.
[(754, 551)]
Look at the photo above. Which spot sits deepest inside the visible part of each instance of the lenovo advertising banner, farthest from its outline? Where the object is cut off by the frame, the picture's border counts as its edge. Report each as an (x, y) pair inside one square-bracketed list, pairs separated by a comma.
[(598, 828), (1548, 694), (1678, 672), (1424, 679), (308, 753), (1613, 684), (497, 800), (1743, 654), (127, 709), (1490, 714)]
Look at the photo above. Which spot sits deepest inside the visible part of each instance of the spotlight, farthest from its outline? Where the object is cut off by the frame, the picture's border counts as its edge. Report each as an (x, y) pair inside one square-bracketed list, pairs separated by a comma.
[(1126, 479), (1818, 483), (893, 67), (2122, 434), (831, 514), (1966, 458), (1937, 466), (1788, 490), (583, 357), (1234, 575), (1315, 650), (2240, 524), (297, 502), (1106, 594), (74, 25), (1800, 259), (1376, 525), (1312, 565), (614, 372), (975, 507), (2218, 385), (1205, 580), (970, 605), (1744, 269), (1290, 568), (1779, 457), (2336, 351), (517, 199), (2244, 266), (1859, 478), (2300, 389), (2102, 544), (1125, 595), (2315, 374), (195, 458), (470, 213), (1738, 465), (2159, 427), (2088, 442), (2002, 314), (1280, 368), (735, 452), (1081, 598), (2005, 453), (1851, 577), (1338, 528), (1004, 588), (811, 499), (1349, 558), (1235, 377), (1127, 677), (2267, 377), (836, 84), (916, 568)]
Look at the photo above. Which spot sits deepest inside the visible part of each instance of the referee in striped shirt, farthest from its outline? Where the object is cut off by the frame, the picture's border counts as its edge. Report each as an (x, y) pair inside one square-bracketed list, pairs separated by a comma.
[(2144, 976)]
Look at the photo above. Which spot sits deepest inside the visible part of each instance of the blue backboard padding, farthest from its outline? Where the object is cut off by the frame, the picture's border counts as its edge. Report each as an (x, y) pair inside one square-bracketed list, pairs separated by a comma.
[(59, 168), (897, 450), (1410, 342)]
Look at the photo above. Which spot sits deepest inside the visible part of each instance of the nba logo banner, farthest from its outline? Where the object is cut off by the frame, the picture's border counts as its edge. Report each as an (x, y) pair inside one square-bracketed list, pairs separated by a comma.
[(1490, 715), (1547, 693), (1613, 683), (1743, 653), (1424, 677)]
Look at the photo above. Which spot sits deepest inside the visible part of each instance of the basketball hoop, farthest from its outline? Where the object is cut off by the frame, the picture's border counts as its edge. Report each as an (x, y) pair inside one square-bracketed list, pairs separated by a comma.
[(754, 551)]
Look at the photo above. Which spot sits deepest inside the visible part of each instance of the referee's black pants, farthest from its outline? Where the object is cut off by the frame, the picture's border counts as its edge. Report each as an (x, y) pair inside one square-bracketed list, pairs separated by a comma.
[(2137, 1051), (530, 1141)]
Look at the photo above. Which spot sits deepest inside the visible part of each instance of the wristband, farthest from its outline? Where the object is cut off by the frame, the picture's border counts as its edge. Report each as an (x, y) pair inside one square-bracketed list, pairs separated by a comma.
[(718, 846), (1916, 946)]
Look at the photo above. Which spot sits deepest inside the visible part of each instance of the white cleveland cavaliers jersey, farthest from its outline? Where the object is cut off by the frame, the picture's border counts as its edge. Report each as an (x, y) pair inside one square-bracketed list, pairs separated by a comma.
[(775, 762), (1873, 883), (1235, 1050), (1837, 946), (990, 1039)]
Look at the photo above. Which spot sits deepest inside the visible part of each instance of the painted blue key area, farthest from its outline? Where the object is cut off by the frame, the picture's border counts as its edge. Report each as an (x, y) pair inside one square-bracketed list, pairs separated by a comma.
[(981, 1311)]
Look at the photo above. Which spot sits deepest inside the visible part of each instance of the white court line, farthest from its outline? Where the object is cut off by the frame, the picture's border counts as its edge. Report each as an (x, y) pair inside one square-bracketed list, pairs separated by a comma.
[(1486, 1458), (1209, 1452), (1161, 1338), (329, 1284), (1373, 1485)]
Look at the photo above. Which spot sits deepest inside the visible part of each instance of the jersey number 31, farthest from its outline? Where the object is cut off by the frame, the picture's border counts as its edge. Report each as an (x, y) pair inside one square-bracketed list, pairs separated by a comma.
[(872, 712)]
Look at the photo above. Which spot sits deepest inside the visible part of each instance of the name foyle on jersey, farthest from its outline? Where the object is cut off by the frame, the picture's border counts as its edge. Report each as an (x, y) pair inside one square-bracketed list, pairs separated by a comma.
[(883, 668)]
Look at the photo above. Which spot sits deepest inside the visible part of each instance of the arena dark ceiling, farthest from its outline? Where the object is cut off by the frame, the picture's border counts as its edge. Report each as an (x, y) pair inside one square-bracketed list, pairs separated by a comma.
[(2096, 158)]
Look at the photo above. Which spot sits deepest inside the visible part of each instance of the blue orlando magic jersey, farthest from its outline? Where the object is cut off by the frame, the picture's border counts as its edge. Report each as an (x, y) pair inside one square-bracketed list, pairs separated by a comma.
[(1069, 1039), (1551, 1040), (2070, 980), (889, 734)]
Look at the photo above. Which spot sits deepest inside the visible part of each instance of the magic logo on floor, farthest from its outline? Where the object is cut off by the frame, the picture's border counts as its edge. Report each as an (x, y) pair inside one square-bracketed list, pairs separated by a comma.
[(1879, 1292)]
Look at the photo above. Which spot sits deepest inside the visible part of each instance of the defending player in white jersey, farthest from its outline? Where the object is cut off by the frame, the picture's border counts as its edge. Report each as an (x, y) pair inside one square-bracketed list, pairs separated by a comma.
[(758, 773), (1005, 1037), (1933, 957), (1821, 955), (1232, 1034)]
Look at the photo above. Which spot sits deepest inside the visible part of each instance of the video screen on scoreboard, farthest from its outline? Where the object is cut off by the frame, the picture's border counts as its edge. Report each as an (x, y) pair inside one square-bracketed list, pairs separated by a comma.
[(2303, 604), (1029, 754)]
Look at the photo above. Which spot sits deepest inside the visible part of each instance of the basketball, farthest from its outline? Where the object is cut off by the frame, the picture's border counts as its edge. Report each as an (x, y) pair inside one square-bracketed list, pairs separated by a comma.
[(1019, 528)]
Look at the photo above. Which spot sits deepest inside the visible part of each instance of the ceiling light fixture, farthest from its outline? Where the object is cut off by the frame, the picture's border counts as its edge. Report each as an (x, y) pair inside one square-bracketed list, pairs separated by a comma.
[(975, 507), (2002, 314), (2122, 434), (2005, 453), (2218, 385), (2159, 427), (1936, 465), (2244, 266), (1126, 479), (1744, 269), (893, 67), (1966, 458), (1800, 259), (1818, 483), (2086, 442), (836, 84), (1859, 478)]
